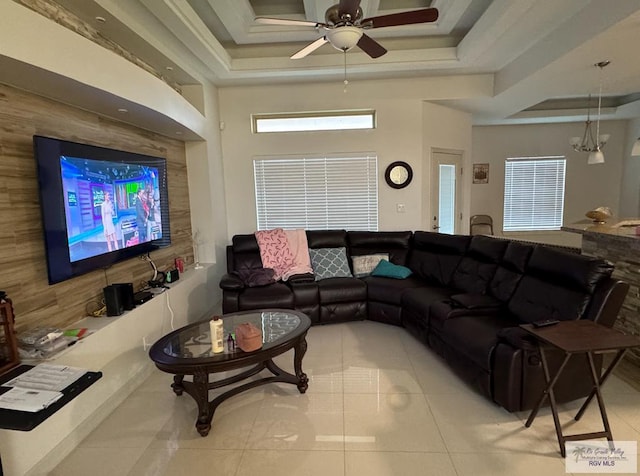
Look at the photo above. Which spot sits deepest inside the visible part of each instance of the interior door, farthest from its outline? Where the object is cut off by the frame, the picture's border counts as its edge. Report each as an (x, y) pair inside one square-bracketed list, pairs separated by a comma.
[(445, 197)]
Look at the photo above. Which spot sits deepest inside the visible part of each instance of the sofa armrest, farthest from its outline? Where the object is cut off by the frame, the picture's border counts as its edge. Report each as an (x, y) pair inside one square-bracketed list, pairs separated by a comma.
[(231, 282), (607, 301), (517, 338), (475, 301), (304, 278)]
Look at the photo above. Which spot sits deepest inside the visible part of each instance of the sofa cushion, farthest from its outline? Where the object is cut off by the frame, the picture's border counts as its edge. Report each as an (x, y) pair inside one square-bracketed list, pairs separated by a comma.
[(330, 263), (432, 267), (578, 272), (390, 270), (462, 305), (389, 290), (277, 295), (327, 238), (473, 276), (475, 301), (245, 244), (243, 254), (487, 249), (478, 266), (363, 265), (394, 243), (557, 285), (416, 302), (536, 299), (510, 270), (435, 256), (256, 277), (337, 290), (474, 336)]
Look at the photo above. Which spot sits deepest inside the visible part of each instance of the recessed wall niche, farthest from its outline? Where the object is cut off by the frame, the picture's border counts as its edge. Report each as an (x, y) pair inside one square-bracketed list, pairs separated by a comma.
[(22, 258)]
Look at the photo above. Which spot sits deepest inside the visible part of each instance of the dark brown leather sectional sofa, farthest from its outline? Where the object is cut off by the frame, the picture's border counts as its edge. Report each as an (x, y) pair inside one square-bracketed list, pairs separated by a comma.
[(465, 299)]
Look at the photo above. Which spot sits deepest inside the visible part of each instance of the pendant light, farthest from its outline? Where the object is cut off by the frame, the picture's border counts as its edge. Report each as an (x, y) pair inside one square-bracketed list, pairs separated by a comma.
[(591, 142)]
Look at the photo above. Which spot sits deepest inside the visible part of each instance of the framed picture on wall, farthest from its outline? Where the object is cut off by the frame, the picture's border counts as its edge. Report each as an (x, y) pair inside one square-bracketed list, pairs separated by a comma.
[(480, 173)]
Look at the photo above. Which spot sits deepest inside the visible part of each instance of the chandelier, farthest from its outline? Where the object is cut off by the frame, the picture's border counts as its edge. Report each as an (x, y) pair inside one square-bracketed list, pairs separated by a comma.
[(591, 142)]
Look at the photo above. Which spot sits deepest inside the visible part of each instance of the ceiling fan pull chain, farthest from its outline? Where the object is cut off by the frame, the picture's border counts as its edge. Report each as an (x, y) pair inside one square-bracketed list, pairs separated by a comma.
[(346, 82)]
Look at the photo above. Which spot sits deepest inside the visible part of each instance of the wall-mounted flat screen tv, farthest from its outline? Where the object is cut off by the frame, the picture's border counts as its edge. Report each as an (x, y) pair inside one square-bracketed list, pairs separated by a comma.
[(99, 206)]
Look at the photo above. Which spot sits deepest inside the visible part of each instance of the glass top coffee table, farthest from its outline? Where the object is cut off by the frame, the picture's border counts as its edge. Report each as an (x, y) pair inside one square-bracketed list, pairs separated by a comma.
[(187, 352)]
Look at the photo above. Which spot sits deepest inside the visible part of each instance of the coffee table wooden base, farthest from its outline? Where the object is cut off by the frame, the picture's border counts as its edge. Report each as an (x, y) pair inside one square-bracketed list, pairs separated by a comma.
[(200, 386)]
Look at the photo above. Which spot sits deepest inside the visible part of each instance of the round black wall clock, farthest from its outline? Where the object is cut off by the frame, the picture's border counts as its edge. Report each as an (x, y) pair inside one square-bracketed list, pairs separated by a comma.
[(398, 174)]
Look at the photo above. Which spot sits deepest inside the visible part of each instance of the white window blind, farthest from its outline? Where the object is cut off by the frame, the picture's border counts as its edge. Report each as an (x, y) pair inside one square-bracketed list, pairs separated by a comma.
[(534, 193), (319, 193)]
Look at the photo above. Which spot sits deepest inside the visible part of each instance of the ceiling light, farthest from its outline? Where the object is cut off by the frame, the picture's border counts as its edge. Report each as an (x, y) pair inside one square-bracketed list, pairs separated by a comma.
[(591, 142), (635, 152), (345, 37), (122, 110), (595, 157), (101, 19)]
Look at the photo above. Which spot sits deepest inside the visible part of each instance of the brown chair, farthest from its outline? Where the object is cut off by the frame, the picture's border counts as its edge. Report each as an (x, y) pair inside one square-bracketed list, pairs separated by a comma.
[(481, 225)]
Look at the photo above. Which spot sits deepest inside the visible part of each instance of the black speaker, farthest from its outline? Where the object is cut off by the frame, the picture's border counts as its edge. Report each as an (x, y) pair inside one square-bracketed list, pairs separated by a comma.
[(113, 301), (126, 295)]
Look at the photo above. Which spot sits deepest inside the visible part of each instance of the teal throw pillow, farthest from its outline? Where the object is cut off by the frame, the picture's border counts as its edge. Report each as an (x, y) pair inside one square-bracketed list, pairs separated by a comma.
[(390, 270), (329, 263)]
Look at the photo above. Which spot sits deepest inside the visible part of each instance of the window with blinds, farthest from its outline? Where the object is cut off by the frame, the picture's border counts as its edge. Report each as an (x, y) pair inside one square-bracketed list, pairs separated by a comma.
[(534, 193), (317, 193)]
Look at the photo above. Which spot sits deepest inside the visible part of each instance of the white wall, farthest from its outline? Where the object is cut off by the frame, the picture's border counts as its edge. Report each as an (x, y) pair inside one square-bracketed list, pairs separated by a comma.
[(207, 191), (400, 110), (450, 130), (587, 186), (630, 189)]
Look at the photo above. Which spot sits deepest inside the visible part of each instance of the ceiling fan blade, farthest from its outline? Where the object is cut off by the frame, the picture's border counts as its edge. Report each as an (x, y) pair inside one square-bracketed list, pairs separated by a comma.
[(310, 48), (426, 15), (349, 6), (371, 46), (285, 22)]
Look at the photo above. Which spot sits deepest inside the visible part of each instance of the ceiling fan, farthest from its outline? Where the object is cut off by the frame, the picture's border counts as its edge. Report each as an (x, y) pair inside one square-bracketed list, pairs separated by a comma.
[(345, 27)]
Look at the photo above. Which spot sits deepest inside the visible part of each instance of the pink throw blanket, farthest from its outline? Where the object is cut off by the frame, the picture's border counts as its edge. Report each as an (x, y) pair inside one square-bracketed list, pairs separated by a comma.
[(284, 251), (300, 250)]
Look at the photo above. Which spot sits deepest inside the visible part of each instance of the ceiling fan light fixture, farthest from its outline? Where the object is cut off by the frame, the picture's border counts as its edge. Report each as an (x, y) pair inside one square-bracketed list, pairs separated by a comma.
[(345, 27), (635, 151), (345, 37)]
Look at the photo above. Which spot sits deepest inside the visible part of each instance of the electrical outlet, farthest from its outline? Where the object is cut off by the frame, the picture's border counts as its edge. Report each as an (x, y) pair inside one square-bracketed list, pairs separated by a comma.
[(400, 208)]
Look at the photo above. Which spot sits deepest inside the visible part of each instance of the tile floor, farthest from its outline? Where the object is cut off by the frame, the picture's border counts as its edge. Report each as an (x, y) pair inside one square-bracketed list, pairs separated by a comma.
[(379, 403)]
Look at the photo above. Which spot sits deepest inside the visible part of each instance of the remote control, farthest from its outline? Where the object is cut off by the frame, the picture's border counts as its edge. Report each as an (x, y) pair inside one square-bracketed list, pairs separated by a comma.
[(545, 322)]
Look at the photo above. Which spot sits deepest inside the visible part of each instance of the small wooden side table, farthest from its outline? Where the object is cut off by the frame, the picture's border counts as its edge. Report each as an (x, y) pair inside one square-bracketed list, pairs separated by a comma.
[(574, 338)]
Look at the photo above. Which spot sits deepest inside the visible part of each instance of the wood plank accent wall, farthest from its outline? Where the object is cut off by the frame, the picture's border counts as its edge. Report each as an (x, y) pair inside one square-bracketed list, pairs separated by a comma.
[(23, 272)]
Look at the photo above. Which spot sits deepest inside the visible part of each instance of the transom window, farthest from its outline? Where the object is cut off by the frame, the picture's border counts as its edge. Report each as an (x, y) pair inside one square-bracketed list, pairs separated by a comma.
[(534, 193), (317, 193), (314, 121)]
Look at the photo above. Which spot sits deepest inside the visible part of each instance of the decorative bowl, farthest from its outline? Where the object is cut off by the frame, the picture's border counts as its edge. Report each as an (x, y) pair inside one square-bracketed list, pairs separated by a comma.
[(599, 215)]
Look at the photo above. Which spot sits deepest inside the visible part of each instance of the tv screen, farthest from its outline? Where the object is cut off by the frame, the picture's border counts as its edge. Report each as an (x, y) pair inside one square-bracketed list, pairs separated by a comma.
[(99, 205)]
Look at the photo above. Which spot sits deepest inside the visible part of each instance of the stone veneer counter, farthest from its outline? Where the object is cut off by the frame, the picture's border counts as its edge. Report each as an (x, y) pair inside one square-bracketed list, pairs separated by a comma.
[(621, 246)]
